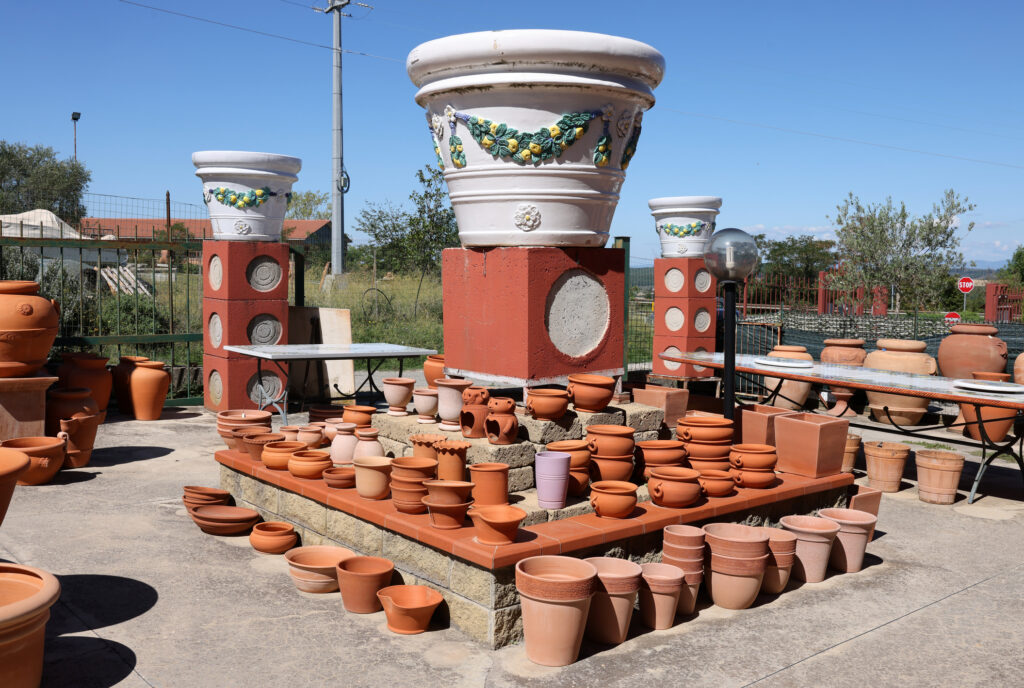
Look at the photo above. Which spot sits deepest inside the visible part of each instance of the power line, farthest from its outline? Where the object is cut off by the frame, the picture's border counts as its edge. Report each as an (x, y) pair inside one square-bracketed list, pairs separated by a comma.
[(260, 33), (844, 139)]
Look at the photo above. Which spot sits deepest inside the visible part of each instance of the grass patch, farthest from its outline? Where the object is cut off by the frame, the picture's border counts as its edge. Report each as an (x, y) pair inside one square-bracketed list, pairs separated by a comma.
[(930, 445)]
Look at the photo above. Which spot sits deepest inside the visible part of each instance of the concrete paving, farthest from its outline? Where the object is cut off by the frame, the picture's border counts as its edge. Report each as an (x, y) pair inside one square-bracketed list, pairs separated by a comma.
[(149, 600)]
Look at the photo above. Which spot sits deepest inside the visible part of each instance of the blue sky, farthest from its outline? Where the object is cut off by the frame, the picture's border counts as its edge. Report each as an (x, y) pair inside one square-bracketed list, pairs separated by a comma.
[(742, 79)]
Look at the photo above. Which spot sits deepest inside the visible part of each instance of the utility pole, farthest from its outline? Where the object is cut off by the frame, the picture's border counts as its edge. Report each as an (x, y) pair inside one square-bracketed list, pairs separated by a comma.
[(339, 181), (75, 116)]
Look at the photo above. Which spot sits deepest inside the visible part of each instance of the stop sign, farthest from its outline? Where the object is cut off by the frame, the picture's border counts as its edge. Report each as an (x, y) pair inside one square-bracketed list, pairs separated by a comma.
[(952, 318), (965, 285)]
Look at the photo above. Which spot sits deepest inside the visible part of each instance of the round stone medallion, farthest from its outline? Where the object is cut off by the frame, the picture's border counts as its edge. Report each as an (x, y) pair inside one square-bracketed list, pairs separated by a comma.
[(216, 273), (263, 273), (675, 319), (672, 351), (215, 388), (271, 387), (577, 313), (702, 321), (215, 328), (674, 279), (702, 280), (264, 329)]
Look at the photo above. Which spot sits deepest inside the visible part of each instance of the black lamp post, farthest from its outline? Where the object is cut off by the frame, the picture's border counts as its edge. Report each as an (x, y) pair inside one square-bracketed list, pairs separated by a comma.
[(75, 116), (731, 255)]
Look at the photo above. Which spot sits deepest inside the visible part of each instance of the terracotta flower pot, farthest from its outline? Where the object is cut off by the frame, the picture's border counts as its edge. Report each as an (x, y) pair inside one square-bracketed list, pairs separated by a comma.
[(501, 425), (490, 483), (848, 352), (658, 453), (120, 375), (496, 525), (717, 451), (613, 498), (938, 475), (447, 516), (753, 479), (451, 459), (579, 481), (472, 419), (343, 446), (449, 403), (551, 473), (555, 593), (340, 477), (309, 464), (717, 483), (45, 454), (149, 385), (408, 608), (423, 444), (433, 368), (781, 555), (855, 527), (970, 348), (274, 453), (611, 467), (704, 429), (810, 444), (62, 404), (26, 595), (362, 416), (12, 464), (310, 434), (398, 394), (91, 372), (314, 568), (359, 579), (756, 456), (615, 593), (28, 327), (367, 444), (223, 520), (814, 537), (793, 393), (691, 553), (610, 440), (659, 594), (902, 355), (734, 583), (547, 404), (81, 433), (736, 540), (590, 393), (674, 487), (424, 400), (273, 537), (414, 467), (996, 421), (850, 452), (238, 435), (373, 476), (688, 593), (758, 423), (578, 451), (683, 535), (885, 462)]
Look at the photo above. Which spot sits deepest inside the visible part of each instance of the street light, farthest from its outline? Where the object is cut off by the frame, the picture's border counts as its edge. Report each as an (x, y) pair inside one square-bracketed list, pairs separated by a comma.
[(730, 255), (75, 116)]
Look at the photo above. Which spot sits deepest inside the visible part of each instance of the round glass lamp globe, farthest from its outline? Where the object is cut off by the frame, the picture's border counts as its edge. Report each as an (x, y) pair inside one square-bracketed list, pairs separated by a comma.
[(731, 254)]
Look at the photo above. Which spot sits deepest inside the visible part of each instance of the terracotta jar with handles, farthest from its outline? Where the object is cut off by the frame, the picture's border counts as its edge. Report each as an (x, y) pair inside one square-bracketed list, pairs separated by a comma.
[(28, 326)]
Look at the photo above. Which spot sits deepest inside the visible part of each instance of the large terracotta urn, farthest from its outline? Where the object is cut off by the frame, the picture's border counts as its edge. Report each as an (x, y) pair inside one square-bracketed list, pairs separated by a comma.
[(971, 349), (849, 352), (794, 392), (28, 326), (906, 356), (534, 129), (122, 373), (684, 223), (91, 372), (149, 384)]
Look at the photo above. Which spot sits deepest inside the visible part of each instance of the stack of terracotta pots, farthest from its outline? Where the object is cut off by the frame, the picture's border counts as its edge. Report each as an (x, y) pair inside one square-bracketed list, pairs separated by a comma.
[(448, 501), (885, 462), (555, 594), (408, 475), (652, 454), (707, 441), (814, 537), (781, 555), (737, 558), (615, 593), (683, 548), (197, 495), (473, 416), (611, 451), (228, 421), (579, 463), (752, 465)]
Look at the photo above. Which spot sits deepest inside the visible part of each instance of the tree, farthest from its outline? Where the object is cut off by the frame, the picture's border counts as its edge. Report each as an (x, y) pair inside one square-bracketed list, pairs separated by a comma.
[(1013, 272), (33, 177), (309, 205), (387, 225), (882, 245), (801, 256)]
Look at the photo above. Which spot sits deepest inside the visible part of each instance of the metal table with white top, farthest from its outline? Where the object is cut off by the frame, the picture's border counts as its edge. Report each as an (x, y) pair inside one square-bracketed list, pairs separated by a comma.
[(282, 353)]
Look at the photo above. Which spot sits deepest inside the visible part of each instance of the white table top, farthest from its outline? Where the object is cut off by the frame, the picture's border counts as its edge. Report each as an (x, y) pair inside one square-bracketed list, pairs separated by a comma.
[(328, 352)]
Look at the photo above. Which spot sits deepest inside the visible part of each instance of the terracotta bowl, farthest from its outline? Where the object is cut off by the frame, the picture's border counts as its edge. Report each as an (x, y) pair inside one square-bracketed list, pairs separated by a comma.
[(340, 477), (316, 566), (254, 443), (236, 437), (276, 455), (447, 516), (578, 451), (496, 525), (613, 498), (309, 464), (590, 393), (273, 537), (757, 456), (408, 608), (547, 404), (223, 520), (362, 416), (610, 440), (413, 467), (717, 483), (408, 507), (207, 494), (708, 450), (661, 452), (401, 493), (683, 535), (611, 468), (449, 491), (674, 487), (736, 540), (750, 478), (702, 465)]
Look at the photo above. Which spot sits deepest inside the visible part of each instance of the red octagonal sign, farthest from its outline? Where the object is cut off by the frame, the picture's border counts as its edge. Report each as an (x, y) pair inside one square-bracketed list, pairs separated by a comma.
[(966, 284)]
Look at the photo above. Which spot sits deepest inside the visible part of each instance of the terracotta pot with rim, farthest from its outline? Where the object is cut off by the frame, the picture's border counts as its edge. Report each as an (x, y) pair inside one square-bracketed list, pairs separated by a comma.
[(120, 378), (340, 477), (433, 368), (447, 516), (555, 593), (653, 454), (311, 435), (238, 435), (997, 421), (398, 393), (91, 372), (704, 429), (344, 443), (45, 454), (855, 527), (615, 593), (423, 444), (26, 595), (28, 328), (850, 452), (938, 475), (424, 400), (611, 467), (149, 385), (12, 464), (81, 434), (848, 352), (590, 393), (314, 568), (273, 537), (613, 498), (885, 462), (490, 482), (674, 487), (660, 588), (781, 555), (793, 393), (757, 456), (969, 348), (610, 440), (408, 608), (449, 402), (496, 525), (451, 459), (734, 583), (814, 537), (360, 578), (687, 536), (578, 451), (902, 355), (735, 540), (367, 443), (362, 416), (274, 454), (221, 519), (547, 404), (373, 476), (309, 464), (717, 483)]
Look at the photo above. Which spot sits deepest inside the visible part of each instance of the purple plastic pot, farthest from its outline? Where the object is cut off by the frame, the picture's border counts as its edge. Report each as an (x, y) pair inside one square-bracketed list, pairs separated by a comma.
[(551, 470)]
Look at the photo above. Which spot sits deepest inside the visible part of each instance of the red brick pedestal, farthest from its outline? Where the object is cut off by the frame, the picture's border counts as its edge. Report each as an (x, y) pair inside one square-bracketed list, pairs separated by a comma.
[(684, 314)]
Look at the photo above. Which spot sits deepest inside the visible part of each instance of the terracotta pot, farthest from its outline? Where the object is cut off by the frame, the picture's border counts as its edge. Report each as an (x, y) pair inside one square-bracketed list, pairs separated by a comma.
[(501, 425), (717, 483), (91, 372), (688, 566), (688, 593), (610, 440), (810, 444), (449, 403), (590, 393), (373, 476), (423, 444), (321, 425), (343, 446), (475, 395), (238, 435), (847, 352), (45, 454), (971, 348), (367, 444), (547, 404), (359, 579), (885, 462), (340, 477), (362, 416), (793, 393), (660, 588), (212, 495), (736, 540), (28, 326), (555, 593), (447, 516), (781, 555), (814, 537), (551, 473), (229, 421), (327, 411), (611, 467), (12, 464), (62, 404), (687, 553), (659, 453), (314, 568), (756, 456), (490, 482), (330, 428), (579, 481), (274, 453), (120, 376), (408, 608), (753, 479), (615, 593), (81, 434), (736, 590), (903, 355), (496, 525), (310, 434), (424, 400), (309, 464), (613, 498), (686, 536), (223, 520), (433, 368), (704, 429), (758, 423), (996, 421), (1018, 369), (398, 394), (717, 451), (674, 487), (855, 528), (938, 475), (578, 451), (149, 385), (451, 459), (273, 537), (414, 467), (850, 452), (26, 595)]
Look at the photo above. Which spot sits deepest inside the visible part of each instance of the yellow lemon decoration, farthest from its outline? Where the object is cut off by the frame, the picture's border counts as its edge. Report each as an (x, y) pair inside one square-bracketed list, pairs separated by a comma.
[(513, 145), (554, 130)]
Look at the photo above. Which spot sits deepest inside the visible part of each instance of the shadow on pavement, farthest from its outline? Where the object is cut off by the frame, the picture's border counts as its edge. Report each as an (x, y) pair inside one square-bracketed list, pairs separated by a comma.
[(85, 662), (112, 456), (73, 476), (92, 601)]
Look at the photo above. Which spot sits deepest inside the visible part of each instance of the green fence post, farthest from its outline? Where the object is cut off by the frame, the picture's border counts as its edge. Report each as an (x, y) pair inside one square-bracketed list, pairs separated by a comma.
[(623, 243)]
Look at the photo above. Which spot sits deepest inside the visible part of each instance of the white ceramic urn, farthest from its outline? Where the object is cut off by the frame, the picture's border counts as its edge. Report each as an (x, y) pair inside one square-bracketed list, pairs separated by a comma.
[(534, 129), (246, 193), (684, 223)]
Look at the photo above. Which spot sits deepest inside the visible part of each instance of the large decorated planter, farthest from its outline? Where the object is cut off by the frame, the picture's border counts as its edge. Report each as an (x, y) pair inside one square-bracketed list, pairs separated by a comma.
[(684, 223), (28, 326), (534, 129), (246, 193)]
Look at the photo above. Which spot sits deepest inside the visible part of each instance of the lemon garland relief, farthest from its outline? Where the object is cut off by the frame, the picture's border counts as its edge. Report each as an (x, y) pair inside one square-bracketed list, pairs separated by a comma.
[(683, 231), (253, 198), (455, 148), (525, 147), (634, 138)]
